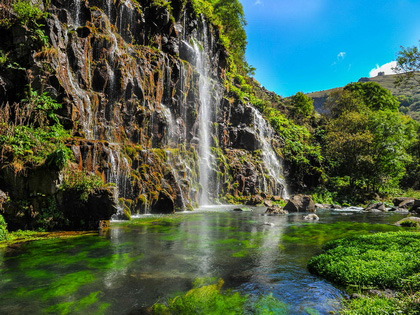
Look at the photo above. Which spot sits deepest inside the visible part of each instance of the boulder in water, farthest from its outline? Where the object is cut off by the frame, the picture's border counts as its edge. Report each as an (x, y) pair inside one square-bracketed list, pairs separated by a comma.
[(311, 217), (300, 203), (376, 207), (275, 210), (409, 222)]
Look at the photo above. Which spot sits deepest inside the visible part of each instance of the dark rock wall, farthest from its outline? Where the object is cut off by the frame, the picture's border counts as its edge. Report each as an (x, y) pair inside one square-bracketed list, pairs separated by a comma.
[(125, 73)]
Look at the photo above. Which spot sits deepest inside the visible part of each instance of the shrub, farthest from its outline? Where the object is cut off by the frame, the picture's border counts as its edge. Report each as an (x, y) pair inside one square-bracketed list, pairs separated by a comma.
[(3, 229), (83, 182)]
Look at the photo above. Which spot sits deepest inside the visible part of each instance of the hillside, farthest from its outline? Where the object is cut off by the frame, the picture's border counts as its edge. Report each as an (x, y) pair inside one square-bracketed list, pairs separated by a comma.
[(409, 97)]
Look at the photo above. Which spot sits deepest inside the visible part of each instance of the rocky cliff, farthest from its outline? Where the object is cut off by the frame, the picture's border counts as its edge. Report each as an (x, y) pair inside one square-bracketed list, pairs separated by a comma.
[(143, 94)]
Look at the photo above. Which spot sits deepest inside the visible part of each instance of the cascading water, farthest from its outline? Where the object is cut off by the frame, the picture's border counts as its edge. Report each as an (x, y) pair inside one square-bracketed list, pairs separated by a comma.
[(206, 117), (76, 12), (272, 163)]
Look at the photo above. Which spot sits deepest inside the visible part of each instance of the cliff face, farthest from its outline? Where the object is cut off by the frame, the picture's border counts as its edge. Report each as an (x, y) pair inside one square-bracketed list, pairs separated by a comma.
[(142, 88)]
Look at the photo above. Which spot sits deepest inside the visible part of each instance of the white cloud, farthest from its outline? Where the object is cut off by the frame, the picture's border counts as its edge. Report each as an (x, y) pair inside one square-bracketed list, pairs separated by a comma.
[(341, 55), (386, 68), (259, 2)]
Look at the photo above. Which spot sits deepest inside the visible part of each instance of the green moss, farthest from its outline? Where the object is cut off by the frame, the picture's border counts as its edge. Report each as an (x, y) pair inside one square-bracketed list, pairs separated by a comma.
[(204, 300), (3, 229), (381, 260), (319, 233), (207, 298)]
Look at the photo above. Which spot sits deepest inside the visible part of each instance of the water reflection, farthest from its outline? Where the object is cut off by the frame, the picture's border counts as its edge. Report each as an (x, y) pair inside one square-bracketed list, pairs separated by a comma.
[(139, 263)]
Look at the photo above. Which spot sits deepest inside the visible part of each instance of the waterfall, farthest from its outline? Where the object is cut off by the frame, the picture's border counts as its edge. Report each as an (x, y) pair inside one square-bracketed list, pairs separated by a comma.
[(118, 170), (271, 162), (204, 121), (208, 91), (109, 4), (77, 7)]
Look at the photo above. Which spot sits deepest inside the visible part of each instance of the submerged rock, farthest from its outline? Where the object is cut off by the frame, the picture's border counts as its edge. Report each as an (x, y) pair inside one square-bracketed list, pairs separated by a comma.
[(311, 217)]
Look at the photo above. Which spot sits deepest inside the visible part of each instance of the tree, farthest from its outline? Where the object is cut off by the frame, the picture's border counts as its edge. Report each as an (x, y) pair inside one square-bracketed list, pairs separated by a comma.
[(232, 17), (374, 95), (408, 64), (302, 105), (368, 145)]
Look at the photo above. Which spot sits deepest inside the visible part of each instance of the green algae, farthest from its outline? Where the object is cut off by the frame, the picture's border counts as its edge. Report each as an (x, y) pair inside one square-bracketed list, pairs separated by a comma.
[(319, 233), (207, 298), (80, 305)]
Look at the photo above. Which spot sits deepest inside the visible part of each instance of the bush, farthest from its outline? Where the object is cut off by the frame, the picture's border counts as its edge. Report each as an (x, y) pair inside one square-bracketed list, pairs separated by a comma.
[(3, 229), (82, 182)]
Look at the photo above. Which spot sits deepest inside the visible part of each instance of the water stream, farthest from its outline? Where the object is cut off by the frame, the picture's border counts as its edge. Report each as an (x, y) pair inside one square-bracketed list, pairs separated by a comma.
[(134, 265)]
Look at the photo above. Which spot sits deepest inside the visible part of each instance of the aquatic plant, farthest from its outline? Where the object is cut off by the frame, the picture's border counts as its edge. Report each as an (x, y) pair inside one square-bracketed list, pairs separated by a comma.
[(380, 260), (322, 233), (210, 299)]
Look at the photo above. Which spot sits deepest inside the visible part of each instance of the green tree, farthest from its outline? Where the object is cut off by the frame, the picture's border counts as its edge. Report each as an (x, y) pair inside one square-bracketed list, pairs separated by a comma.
[(369, 147), (302, 105), (408, 64), (232, 17), (373, 95)]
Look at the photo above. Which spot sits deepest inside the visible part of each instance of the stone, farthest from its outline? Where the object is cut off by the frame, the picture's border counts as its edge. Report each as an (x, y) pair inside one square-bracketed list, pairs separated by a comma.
[(276, 210), (376, 207), (255, 200), (164, 204), (321, 206), (311, 217), (300, 203), (397, 201), (409, 221), (3, 199), (416, 206), (268, 203)]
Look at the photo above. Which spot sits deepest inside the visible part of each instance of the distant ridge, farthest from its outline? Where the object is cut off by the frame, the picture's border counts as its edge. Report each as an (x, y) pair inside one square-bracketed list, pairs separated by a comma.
[(410, 97)]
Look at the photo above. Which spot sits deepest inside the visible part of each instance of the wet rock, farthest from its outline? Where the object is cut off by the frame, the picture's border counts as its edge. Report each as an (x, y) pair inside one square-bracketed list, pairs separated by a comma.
[(376, 207), (276, 198), (268, 203), (311, 217), (300, 203), (3, 199), (409, 222), (416, 206), (255, 200), (335, 207), (322, 206), (399, 210), (164, 204), (399, 200), (276, 210)]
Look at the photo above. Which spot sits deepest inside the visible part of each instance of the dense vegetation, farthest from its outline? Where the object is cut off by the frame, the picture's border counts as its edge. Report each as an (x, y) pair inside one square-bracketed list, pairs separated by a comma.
[(380, 261)]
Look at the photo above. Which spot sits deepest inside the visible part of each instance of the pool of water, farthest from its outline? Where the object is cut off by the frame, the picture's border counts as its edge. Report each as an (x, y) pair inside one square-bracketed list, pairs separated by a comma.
[(136, 264)]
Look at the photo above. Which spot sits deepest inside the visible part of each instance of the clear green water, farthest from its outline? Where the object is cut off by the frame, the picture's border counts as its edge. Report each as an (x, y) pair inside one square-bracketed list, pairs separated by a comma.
[(139, 263)]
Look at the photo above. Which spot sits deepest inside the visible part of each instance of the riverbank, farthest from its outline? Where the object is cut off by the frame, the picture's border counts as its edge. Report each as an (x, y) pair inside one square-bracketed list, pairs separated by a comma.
[(380, 271)]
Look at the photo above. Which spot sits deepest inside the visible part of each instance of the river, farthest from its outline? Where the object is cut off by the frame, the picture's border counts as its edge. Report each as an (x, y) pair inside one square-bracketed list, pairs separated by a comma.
[(135, 264)]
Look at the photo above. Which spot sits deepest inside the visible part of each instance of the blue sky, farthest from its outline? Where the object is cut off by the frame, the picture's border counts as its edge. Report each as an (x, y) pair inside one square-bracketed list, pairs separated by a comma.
[(313, 45)]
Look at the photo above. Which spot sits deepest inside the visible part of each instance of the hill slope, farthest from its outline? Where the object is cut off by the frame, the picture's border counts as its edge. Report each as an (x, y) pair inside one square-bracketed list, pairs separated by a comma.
[(409, 97)]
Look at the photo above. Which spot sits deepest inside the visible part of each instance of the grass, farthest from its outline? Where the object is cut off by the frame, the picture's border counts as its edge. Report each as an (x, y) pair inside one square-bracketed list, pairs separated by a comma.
[(379, 261)]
